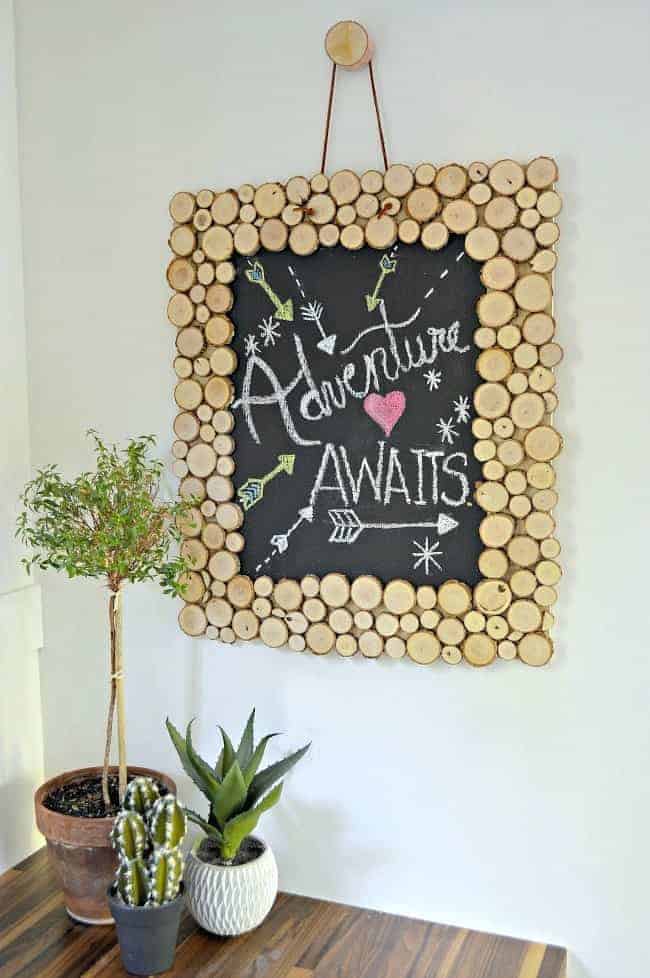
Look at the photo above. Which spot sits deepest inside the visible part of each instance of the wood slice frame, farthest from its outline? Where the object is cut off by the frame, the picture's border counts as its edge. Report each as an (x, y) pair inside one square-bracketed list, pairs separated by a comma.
[(274, 613)]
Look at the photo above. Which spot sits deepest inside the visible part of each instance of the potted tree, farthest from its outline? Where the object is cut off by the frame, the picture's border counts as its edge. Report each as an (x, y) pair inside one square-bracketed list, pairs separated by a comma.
[(231, 877), (109, 524), (146, 898)]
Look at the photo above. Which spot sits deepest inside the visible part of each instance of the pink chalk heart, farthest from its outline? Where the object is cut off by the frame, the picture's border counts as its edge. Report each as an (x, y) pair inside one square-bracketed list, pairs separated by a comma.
[(386, 411)]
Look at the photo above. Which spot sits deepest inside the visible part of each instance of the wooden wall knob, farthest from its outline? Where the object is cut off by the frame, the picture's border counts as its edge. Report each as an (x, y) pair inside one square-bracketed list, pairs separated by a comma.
[(348, 45)]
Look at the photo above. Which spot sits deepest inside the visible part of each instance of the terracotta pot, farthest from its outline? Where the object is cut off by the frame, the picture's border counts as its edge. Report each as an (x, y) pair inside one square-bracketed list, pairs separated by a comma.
[(81, 849)]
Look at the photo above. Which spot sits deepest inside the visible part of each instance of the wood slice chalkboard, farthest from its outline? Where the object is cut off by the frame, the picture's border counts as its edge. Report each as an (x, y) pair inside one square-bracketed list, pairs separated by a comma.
[(355, 378), (365, 390)]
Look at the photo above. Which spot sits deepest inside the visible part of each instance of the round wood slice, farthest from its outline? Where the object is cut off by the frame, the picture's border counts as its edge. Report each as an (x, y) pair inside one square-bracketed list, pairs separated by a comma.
[(297, 190), (201, 460), (426, 596), (541, 172), (218, 612), (181, 207), (495, 308), (429, 619), (240, 591), (491, 400), (335, 590), (223, 565), (484, 450), (522, 583), (422, 204), (181, 274), (510, 452), (230, 517), (274, 234), (399, 596), (183, 367), (479, 649), (482, 243), (497, 627), (218, 392), (263, 586), (408, 231), (547, 234), (223, 361), (395, 647), (310, 586), (454, 598), (219, 298), (386, 624), (363, 620), (194, 588), (545, 500), (225, 273), (208, 508), (492, 597), (195, 553), (372, 182), (269, 200), (182, 240), (474, 621), (381, 232), (425, 174), (247, 239), (320, 638), (217, 243), (544, 261), (188, 394), (347, 44), (186, 426), (366, 592), (314, 609), (451, 181), (202, 219), (190, 522), (346, 645), (525, 356), (328, 235), (498, 273), (192, 488), (496, 529), (493, 563), (477, 171), (219, 330), (519, 244), (225, 208), (540, 525), (529, 218), (344, 187), (319, 183), (220, 488), (287, 595), (398, 180), (494, 364), (535, 649), (492, 497), (180, 310), (460, 216), (371, 645), (192, 619), (524, 616), (245, 624), (450, 631), (434, 236), (479, 194), (451, 654), (527, 410), (340, 620), (523, 551), (189, 341), (367, 205), (543, 444), (274, 632), (500, 213), (303, 239), (409, 623), (423, 647), (550, 354), (532, 293), (213, 536), (526, 197), (507, 177)]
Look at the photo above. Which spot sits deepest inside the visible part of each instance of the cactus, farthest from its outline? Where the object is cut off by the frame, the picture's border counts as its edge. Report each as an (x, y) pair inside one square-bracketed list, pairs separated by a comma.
[(167, 823), (150, 862), (141, 795), (129, 835)]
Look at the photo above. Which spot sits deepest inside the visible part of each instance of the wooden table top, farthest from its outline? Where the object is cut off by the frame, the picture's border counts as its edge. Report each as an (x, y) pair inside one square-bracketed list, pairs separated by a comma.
[(301, 938)]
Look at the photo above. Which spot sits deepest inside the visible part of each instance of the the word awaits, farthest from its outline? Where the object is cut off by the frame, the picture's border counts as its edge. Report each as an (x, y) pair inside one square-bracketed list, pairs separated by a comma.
[(386, 363), (414, 477)]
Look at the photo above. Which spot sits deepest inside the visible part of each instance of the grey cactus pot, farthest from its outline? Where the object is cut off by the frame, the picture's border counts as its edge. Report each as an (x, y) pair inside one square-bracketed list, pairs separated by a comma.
[(147, 935)]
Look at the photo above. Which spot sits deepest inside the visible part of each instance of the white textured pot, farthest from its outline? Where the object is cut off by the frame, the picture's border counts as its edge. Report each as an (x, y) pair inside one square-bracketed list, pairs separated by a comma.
[(229, 900)]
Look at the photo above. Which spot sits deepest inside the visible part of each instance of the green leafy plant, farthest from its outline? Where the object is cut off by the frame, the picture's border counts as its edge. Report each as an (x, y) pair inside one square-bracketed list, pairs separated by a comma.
[(110, 524), (147, 834), (237, 792)]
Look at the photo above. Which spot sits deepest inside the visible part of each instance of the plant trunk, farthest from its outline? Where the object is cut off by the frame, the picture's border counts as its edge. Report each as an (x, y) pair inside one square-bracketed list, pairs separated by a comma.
[(109, 720), (116, 645), (116, 698)]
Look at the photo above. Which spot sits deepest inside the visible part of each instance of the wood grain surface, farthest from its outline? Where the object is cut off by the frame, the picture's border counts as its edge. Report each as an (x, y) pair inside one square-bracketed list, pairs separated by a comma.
[(302, 938)]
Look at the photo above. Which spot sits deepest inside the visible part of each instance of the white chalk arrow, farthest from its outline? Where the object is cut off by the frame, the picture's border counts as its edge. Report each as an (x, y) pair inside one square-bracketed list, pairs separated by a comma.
[(313, 313), (348, 526), (281, 540)]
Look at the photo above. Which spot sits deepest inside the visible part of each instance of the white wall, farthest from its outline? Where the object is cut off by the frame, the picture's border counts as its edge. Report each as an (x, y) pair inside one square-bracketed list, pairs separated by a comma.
[(509, 799), (21, 745)]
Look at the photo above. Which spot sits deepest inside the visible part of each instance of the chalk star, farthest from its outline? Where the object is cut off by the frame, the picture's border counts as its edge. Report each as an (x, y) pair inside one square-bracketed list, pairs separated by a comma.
[(251, 346), (461, 407), (269, 331), (447, 431), (433, 379), (426, 553)]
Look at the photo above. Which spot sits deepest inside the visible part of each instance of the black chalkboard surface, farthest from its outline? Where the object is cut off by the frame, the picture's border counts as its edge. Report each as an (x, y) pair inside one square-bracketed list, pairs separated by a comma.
[(353, 413)]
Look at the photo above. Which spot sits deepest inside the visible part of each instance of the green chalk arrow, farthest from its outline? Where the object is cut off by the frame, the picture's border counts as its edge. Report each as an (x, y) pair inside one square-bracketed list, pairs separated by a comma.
[(251, 491), (387, 267), (283, 310)]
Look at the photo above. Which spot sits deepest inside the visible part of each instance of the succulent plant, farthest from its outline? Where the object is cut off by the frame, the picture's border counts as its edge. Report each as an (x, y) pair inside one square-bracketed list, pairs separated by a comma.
[(238, 793), (147, 834)]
